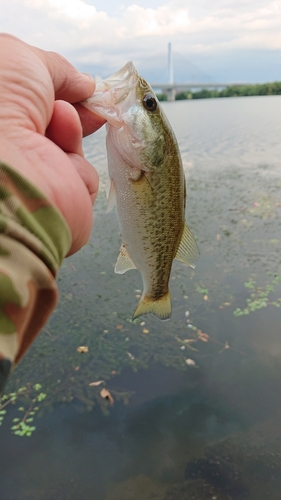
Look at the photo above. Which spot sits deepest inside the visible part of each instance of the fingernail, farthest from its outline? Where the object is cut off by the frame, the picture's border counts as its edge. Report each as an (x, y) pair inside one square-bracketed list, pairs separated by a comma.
[(90, 77)]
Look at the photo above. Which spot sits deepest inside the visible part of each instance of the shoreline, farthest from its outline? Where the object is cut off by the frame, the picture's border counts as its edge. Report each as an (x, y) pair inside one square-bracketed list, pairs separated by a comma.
[(273, 88)]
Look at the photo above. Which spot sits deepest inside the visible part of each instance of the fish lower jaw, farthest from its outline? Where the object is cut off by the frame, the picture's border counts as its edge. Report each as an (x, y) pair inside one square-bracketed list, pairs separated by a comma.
[(160, 307)]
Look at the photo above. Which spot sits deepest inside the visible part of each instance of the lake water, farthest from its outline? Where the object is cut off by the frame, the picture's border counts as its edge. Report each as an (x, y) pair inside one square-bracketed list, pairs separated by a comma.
[(197, 400)]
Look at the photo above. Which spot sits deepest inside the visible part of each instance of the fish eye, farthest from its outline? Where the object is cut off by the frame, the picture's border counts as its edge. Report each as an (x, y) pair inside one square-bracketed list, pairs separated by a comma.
[(149, 102)]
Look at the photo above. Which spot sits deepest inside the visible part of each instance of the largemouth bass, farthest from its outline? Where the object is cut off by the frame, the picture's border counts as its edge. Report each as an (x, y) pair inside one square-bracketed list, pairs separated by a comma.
[(147, 186)]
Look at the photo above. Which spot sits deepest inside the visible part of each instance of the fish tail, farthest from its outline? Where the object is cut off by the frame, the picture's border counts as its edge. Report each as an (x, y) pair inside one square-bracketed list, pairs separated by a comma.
[(162, 308)]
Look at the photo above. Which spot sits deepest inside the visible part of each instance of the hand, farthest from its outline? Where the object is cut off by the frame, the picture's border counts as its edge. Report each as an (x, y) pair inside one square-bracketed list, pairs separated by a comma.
[(41, 132)]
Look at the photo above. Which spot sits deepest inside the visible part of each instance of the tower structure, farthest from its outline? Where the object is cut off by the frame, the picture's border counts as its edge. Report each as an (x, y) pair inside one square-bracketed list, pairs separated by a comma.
[(171, 92), (170, 64)]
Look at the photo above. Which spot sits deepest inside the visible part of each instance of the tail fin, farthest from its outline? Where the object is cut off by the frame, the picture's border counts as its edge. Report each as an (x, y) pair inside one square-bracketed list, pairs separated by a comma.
[(161, 308)]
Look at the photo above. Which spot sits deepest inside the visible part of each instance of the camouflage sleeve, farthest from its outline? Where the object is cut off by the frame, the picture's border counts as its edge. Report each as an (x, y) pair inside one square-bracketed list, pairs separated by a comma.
[(34, 239)]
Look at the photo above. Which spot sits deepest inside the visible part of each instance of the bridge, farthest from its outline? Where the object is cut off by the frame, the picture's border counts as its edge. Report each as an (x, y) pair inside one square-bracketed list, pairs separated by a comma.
[(171, 88)]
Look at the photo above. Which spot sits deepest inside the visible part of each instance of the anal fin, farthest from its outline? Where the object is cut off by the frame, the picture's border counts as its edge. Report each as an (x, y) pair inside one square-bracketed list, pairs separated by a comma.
[(188, 251), (124, 262)]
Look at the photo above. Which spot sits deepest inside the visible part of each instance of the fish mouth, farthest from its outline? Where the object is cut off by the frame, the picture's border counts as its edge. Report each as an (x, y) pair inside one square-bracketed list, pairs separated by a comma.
[(123, 80), (114, 95)]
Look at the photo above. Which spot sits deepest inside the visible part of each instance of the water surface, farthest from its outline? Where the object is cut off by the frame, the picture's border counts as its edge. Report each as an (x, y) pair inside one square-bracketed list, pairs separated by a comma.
[(176, 430)]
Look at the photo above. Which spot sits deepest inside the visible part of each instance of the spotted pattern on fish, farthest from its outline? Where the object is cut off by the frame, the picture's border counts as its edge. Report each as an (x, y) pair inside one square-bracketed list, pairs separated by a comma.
[(146, 171)]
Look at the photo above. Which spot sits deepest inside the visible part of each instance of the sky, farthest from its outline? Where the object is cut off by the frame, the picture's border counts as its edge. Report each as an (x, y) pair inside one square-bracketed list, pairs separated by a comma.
[(216, 41)]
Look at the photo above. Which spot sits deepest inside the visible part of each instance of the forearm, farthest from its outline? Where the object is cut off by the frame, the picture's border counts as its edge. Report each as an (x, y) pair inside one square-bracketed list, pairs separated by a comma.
[(41, 137), (34, 238)]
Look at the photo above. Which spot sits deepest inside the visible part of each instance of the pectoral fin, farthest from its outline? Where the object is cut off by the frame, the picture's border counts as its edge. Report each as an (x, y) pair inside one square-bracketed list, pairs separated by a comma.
[(188, 251), (111, 197), (124, 262)]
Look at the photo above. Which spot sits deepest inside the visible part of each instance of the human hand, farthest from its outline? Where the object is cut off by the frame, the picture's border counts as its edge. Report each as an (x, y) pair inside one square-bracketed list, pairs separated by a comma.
[(41, 132)]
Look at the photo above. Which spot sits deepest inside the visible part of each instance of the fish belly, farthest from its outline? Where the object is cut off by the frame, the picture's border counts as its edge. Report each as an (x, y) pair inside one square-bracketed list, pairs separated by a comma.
[(151, 223)]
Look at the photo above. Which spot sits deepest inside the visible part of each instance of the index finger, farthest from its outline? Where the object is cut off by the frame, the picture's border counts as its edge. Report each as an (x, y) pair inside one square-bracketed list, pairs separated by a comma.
[(72, 86)]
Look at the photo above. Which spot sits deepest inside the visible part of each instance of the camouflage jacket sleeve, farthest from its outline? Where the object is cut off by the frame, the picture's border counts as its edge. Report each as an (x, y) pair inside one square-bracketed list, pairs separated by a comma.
[(34, 239)]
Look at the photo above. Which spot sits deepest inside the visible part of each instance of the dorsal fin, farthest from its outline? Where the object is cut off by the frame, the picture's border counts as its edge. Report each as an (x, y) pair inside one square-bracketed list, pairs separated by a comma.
[(188, 251)]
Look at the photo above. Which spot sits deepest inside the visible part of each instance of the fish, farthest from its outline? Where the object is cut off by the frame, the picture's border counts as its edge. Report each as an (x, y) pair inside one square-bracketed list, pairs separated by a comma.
[(147, 186)]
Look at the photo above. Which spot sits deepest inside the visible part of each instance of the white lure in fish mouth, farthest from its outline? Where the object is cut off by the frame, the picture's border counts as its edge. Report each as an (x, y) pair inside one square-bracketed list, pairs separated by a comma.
[(116, 99), (113, 97)]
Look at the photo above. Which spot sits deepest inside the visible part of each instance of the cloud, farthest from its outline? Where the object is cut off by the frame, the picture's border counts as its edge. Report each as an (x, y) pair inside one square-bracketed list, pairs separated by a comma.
[(107, 36), (161, 21), (72, 9)]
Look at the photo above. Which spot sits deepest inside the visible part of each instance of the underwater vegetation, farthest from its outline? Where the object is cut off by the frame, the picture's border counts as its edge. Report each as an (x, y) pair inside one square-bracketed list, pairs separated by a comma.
[(27, 399), (91, 339)]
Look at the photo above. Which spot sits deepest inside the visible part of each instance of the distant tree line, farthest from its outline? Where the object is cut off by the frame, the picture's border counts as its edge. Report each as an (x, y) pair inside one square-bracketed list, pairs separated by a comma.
[(273, 88)]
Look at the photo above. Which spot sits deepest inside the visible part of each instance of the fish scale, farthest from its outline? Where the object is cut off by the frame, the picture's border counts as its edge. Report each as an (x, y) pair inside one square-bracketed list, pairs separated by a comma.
[(147, 186)]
